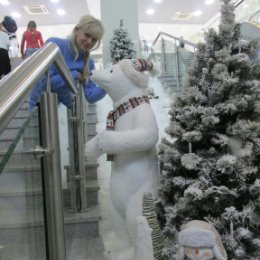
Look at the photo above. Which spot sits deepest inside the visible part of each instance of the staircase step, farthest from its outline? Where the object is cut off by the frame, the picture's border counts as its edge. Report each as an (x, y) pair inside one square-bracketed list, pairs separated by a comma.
[(78, 226), (91, 129), (92, 189), (11, 133), (5, 144), (33, 248), (22, 113), (91, 108), (33, 218), (90, 170), (18, 122), (19, 194), (20, 159), (85, 248), (91, 119)]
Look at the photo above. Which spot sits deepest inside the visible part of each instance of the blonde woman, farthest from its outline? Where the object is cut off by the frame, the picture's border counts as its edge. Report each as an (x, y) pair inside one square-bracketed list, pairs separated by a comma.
[(85, 37)]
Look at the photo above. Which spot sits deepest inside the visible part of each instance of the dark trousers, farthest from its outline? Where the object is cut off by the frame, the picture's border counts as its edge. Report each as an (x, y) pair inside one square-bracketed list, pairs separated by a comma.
[(5, 64)]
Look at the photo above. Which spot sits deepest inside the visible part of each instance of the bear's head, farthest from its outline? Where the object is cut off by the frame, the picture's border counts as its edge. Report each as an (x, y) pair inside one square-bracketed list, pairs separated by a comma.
[(123, 80)]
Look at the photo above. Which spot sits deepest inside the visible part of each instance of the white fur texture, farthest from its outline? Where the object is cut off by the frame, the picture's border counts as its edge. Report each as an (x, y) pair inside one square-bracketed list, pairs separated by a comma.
[(135, 168)]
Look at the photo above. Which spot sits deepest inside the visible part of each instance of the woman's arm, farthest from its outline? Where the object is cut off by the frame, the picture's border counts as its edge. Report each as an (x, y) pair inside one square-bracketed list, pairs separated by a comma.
[(92, 92), (40, 39)]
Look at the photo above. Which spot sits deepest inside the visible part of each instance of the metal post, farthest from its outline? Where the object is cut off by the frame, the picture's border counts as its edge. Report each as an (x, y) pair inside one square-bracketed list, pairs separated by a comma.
[(163, 62), (77, 118), (72, 166), (52, 177), (81, 145), (177, 66)]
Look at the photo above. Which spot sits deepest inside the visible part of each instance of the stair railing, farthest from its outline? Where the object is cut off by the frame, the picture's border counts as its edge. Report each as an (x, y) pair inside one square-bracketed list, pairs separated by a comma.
[(176, 39), (77, 139), (17, 85), (14, 90), (175, 49)]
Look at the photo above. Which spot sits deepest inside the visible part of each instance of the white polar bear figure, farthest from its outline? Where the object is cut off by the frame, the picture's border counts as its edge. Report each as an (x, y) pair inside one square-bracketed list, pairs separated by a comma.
[(131, 141)]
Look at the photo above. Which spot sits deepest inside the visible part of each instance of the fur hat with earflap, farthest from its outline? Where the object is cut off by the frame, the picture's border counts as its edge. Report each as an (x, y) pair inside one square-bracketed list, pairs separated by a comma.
[(197, 237)]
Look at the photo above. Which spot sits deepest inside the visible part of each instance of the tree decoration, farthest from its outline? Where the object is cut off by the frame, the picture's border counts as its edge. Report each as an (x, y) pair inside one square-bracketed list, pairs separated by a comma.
[(149, 213), (210, 160), (121, 46)]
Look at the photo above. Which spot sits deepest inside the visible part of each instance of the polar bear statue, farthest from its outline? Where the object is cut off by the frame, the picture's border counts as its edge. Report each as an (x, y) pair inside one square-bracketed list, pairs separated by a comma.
[(130, 140)]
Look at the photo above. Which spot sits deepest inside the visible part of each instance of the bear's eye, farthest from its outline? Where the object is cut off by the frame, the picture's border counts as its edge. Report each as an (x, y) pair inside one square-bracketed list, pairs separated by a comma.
[(111, 71)]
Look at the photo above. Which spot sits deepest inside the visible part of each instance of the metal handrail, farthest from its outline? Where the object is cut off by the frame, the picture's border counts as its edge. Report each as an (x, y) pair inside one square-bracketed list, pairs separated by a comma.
[(17, 85), (253, 15), (236, 4), (173, 37)]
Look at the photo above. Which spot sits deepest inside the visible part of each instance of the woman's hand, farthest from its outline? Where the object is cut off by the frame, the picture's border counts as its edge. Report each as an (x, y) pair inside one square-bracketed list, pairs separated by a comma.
[(81, 78), (78, 76)]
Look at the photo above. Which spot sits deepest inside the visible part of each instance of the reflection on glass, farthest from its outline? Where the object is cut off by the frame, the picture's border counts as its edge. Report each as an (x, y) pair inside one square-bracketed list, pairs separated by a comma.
[(22, 234)]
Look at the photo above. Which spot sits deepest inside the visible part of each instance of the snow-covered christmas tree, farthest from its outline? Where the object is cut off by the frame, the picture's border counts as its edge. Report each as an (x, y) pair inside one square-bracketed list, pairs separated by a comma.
[(210, 163), (121, 46)]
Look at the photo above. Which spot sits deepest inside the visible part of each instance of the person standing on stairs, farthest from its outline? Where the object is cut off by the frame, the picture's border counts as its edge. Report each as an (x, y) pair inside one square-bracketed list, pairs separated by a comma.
[(33, 40), (5, 64), (85, 37)]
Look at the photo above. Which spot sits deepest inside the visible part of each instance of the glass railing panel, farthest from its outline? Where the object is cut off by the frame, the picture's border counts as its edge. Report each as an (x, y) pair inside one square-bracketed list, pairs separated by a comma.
[(256, 17), (156, 51), (175, 59), (246, 9), (22, 229)]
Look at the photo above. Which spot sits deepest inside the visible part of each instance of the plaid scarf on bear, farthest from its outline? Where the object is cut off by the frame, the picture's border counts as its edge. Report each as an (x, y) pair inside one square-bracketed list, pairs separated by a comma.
[(122, 109)]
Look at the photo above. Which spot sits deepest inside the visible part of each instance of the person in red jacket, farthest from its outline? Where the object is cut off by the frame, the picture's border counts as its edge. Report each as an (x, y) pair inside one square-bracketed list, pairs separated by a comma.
[(33, 40)]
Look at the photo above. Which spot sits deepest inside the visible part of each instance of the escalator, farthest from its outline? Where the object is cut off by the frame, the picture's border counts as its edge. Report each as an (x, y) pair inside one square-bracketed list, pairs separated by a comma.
[(250, 30)]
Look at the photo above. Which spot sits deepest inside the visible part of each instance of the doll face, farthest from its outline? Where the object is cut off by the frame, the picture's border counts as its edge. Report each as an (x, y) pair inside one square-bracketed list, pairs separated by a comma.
[(84, 40), (203, 253)]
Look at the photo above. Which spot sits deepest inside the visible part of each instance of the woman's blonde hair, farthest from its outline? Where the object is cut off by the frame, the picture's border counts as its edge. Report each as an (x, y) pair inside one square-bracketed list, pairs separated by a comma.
[(94, 27)]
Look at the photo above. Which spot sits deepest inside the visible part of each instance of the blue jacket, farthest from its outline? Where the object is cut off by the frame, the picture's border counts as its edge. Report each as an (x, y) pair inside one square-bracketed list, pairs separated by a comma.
[(92, 92)]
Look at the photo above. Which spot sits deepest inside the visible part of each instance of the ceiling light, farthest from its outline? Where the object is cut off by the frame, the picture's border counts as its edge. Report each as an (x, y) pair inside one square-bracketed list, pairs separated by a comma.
[(181, 16), (209, 2), (15, 14), (157, 1), (150, 11), (4, 2), (54, 1), (197, 13), (61, 12)]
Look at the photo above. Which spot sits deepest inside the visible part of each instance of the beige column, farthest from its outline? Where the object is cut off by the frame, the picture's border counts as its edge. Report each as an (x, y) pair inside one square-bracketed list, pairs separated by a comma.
[(112, 11)]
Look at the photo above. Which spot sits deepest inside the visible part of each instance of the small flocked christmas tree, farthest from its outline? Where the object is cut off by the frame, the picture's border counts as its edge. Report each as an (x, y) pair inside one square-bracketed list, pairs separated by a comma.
[(211, 160), (121, 46)]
